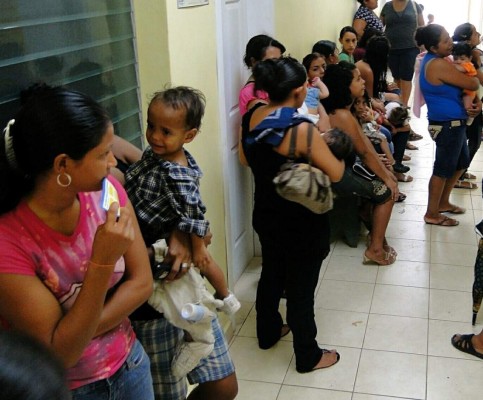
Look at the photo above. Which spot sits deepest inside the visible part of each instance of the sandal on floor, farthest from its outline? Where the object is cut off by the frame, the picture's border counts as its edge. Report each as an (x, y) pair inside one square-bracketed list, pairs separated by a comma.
[(465, 185), (403, 178), (445, 221), (401, 197), (463, 343), (410, 146), (406, 158), (385, 245), (454, 210), (413, 136), (388, 259), (324, 352), (468, 175)]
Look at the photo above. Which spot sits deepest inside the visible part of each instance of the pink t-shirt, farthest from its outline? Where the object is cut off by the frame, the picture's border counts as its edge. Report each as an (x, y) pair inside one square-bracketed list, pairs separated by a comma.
[(29, 247), (248, 94)]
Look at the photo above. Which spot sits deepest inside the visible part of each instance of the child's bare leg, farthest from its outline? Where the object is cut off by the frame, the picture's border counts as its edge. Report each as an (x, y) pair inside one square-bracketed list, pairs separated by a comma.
[(216, 278), (387, 151)]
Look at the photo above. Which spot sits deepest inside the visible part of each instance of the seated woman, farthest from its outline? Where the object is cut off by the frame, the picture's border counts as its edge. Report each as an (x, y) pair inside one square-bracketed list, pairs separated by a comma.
[(345, 84), (259, 47), (328, 49), (294, 240), (70, 272), (373, 69)]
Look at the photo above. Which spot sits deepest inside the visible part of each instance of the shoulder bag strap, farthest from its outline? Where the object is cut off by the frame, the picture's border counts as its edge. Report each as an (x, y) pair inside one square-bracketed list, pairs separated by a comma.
[(309, 143), (293, 138)]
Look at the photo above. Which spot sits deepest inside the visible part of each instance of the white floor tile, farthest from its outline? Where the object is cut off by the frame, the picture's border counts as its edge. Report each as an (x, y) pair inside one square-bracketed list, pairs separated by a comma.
[(250, 390), (392, 374), (453, 253), (302, 393), (340, 328), (254, 364), (404, 273), (450, 305), (452, 379), (345, 296), (345, 268), (451, 277), (398, 334), (400, 300)]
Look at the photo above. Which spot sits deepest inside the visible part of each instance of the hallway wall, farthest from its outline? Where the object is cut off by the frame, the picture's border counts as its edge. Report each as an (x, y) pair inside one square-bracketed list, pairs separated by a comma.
[(312, 21)]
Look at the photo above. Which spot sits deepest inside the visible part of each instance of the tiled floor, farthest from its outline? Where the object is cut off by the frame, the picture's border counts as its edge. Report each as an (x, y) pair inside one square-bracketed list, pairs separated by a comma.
[(392, 325)]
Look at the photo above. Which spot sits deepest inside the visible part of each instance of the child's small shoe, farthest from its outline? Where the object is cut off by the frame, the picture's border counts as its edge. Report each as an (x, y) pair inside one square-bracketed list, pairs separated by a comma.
[(160, 248), (230, 304)]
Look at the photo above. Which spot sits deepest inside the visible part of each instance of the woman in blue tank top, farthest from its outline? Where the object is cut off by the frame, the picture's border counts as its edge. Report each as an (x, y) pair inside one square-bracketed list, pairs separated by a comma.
[(441, 84)]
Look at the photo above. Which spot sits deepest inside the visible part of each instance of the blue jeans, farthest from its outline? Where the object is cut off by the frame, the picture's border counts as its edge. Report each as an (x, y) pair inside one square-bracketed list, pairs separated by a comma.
[(131, 382)]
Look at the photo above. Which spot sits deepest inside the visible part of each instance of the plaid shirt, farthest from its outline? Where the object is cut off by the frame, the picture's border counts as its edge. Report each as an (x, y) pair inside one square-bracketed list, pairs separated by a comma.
[(166, 196)]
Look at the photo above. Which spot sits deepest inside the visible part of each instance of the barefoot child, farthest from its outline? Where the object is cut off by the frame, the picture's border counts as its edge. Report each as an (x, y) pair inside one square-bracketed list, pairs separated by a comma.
[(164, 189)]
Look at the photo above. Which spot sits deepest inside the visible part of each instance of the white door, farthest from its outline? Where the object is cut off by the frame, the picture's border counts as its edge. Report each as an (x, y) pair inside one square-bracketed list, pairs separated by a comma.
[(237, 21)]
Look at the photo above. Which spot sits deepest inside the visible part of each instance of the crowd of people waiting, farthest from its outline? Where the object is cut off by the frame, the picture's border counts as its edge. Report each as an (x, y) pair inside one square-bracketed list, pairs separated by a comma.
[(76, 275)]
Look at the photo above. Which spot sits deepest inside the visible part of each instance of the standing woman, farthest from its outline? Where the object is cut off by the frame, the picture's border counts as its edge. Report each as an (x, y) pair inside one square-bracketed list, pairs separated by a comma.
[(402, 18), (441, 84), (345, 85), (70, 272), (294, 240), (259, 47), (365, 17), (468, 33)]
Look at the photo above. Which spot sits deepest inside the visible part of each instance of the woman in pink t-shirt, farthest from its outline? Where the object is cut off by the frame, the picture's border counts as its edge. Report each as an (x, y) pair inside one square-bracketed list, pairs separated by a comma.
[(259, 47), (70, 271)]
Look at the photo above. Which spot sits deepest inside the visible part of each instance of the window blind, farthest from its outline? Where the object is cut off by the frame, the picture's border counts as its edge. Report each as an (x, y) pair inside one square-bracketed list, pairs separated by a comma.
[(85, 45)]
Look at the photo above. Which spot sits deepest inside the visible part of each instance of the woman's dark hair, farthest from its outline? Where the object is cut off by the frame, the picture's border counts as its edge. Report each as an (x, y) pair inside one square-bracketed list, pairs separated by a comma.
[(369, 33), (309, 58), (279, 77), (463, 32), (461, 49), (257, 46), (346, 29), (51, 121), (324, 47), (29, 371), (429, 36), (377, 51), (190, 100), (338, 79), (361, 2)]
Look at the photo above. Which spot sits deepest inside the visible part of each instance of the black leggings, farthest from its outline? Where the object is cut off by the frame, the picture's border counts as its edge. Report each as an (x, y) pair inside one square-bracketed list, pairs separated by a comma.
[(473, 134), (399, 141), (291, 263)]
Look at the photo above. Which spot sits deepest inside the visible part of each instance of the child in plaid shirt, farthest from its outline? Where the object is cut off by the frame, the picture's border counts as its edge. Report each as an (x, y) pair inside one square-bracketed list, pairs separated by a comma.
[(164, 189)]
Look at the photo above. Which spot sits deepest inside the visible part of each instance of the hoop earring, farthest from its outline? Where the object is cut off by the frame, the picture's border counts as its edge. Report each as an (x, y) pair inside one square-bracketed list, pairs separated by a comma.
[(68, 177)]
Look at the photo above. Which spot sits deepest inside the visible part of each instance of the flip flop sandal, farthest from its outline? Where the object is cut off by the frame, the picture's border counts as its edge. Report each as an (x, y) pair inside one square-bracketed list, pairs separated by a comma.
[(410, 146), (446, 221), (463, 343), (454, 210), (404, 178), (406, 158), (468, 175), (465, 185)]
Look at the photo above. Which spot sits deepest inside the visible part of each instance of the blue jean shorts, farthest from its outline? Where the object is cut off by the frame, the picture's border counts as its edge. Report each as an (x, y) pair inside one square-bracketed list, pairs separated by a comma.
[(452, 152), (160, 340), (131, 381)]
